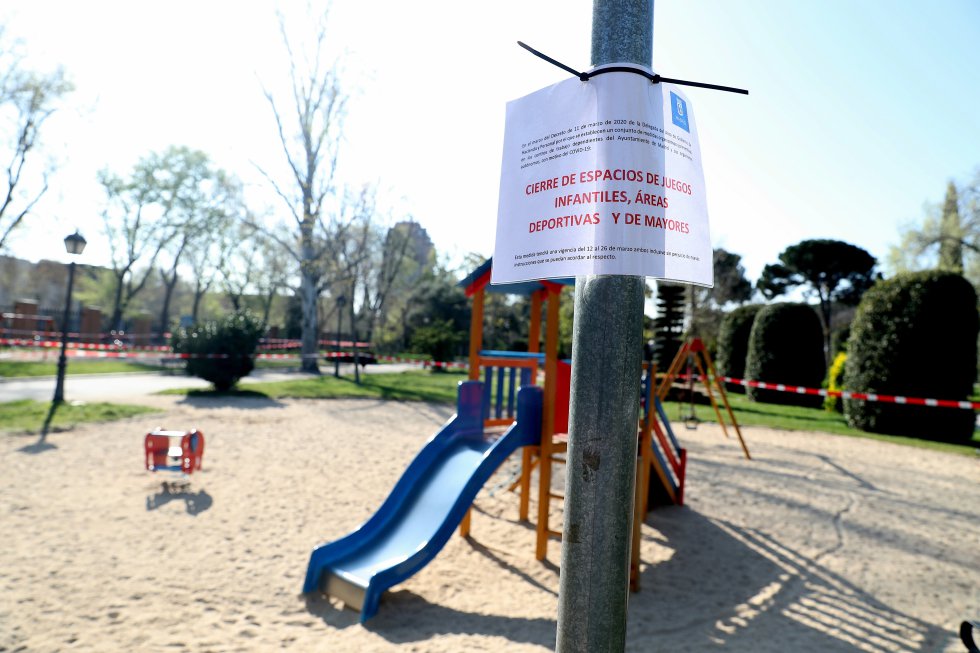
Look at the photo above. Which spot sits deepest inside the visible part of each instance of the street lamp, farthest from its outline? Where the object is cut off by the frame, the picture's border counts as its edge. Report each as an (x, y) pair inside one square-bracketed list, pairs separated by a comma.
[(74, 244), (341, 301)]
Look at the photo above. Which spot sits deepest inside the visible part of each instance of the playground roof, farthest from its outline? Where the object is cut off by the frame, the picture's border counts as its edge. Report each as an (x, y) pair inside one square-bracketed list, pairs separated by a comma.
[(480, 278)]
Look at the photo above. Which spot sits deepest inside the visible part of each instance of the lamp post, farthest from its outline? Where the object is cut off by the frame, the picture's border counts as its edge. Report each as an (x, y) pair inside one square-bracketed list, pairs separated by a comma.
[(74, 244), (341, 301)]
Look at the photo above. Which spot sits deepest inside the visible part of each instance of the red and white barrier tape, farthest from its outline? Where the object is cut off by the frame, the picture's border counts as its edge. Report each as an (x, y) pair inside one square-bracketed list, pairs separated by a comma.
[(166, 353), (56, 344), (861, 396)]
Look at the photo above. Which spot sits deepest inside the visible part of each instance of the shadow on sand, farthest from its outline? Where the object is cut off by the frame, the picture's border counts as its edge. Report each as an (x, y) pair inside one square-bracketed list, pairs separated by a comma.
[(743, 590), (724, 586), (243, 399), (407, 618), (195, 502)]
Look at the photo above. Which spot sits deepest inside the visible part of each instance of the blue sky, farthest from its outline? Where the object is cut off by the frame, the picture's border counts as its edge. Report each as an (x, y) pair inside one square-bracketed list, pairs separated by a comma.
[(858, 113)]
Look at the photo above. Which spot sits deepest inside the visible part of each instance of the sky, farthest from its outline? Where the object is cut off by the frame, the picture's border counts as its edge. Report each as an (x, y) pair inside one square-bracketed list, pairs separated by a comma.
[(859, 113)]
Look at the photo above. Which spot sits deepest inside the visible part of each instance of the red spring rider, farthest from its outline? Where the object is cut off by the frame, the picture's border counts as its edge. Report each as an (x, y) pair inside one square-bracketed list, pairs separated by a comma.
[(174, 451)]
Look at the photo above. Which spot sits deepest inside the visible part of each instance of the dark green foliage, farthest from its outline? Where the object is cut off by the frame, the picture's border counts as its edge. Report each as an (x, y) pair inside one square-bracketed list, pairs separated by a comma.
[(438, 340), (733, 342), (839, 338), (232, 342), (835, 271), (914, 335), (730, 282), (669, 323), (786, 346)]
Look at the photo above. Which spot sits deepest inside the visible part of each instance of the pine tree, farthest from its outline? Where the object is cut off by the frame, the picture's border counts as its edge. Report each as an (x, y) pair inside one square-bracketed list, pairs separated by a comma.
[(669, 323), (951, 234)]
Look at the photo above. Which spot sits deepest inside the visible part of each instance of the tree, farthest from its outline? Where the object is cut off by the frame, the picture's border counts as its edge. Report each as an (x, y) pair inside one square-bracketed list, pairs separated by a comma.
[(951, 240), (171, 201), (669, 323), (886, 355), (311, 144), (731, 286), (833, 270), (135, 232), (270, 271), (199, 204), (399, 259), (949, 237), (27, 100), (707, 304)]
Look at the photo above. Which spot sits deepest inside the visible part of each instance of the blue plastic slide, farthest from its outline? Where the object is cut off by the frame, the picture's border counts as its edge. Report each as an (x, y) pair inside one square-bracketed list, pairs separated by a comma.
[(425, 506)]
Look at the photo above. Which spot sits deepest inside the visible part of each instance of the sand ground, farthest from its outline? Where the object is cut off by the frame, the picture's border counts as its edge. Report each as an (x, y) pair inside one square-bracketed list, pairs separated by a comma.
[(820, 543)]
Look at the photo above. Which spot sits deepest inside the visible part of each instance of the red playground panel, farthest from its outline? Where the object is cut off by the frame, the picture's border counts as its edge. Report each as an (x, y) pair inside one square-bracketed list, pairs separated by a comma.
[(174, 451)]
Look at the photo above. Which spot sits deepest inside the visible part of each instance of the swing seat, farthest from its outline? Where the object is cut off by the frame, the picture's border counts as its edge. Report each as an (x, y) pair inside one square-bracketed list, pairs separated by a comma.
[(174, 451)]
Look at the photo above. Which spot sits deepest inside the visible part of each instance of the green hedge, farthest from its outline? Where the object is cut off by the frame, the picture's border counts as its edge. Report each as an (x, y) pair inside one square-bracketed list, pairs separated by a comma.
[(786, 346), (221, 352), (914, 335), (733, 342)]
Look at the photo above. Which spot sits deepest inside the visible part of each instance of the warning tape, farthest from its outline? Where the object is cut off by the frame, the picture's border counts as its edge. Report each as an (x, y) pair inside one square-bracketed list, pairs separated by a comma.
[(93, 350), (35, 335), (56, 344), (861, 396), (106, 351)]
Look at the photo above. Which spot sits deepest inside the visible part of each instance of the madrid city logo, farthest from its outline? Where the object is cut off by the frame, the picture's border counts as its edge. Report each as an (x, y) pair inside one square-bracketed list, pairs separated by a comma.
[(678, 112)]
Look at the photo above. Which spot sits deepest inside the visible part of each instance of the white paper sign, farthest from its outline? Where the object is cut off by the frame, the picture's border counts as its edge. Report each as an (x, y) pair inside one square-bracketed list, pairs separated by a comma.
[(602, 177)]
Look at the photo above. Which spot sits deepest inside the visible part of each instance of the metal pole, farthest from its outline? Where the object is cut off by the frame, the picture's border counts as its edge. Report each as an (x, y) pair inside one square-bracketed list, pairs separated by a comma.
[(607, 355), (59, 388)]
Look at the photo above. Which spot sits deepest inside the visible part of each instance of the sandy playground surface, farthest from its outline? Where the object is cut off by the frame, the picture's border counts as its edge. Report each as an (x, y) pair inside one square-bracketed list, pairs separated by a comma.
[(821, 543)]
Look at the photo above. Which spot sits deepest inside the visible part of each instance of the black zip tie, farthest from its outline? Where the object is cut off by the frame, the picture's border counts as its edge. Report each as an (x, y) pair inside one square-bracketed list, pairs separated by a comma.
[(654, 79)]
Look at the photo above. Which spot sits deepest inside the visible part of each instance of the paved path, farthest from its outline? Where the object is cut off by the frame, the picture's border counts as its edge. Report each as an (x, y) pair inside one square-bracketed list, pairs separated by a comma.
[(105, 387)]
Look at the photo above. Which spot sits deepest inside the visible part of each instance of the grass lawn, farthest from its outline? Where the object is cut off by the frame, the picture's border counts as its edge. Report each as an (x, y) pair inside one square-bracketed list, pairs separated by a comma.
[(423, 385), (794, 418), (28, 416), (75, 366), (414, 385)]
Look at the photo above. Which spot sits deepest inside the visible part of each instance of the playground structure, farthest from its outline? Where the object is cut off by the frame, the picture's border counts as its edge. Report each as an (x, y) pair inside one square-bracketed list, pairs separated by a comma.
[(174, 451), (436, 492), (693, 350)]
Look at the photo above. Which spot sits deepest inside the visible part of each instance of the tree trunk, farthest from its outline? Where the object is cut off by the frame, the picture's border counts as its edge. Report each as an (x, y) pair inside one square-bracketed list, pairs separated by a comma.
[(311, 328), (267, 308), (168, 284), (198, 295), (116, 319)]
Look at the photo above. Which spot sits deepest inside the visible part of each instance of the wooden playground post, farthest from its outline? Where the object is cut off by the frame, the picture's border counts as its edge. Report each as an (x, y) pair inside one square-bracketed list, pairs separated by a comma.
[(527, 456), (724, 397), (534, 332), (476, 343), (548, 426), (476, 334)]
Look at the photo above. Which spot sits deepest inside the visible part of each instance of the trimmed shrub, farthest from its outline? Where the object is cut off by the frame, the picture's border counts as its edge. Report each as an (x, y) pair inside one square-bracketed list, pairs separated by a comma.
[(733, 343), (229, 342), (914, 335), (786, 346)]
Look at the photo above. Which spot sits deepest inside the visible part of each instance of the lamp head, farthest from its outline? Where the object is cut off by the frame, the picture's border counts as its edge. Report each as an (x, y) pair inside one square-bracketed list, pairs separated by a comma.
[(75, 243)]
